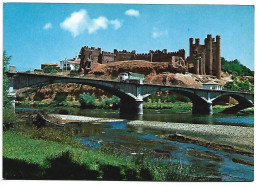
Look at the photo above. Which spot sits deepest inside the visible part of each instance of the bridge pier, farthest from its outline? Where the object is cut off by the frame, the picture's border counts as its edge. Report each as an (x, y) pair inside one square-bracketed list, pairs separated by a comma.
[(202, 108), (131, 106)]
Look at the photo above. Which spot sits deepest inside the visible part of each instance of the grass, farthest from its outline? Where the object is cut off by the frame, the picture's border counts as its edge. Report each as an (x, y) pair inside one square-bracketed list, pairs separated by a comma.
[(173, 107), (27, 158), (247, 111)]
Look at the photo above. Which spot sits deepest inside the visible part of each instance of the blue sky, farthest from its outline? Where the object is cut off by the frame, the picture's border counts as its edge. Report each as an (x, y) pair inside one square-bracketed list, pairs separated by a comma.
[(36, 33)]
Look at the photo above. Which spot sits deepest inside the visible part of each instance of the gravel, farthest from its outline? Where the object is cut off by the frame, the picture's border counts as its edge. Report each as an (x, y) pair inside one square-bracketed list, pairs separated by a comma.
[(73, 118), (241, 137)]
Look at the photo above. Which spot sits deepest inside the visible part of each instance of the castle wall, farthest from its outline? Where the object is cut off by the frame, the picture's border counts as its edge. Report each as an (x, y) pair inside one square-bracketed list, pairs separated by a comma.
[(90, 55), (107, 57)]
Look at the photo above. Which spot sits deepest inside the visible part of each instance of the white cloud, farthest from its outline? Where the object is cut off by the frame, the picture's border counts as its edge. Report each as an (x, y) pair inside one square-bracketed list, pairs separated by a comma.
[(158, 33), (98, 23), (47, 26), (117, 24), (132, 12), (76, 23), (80, 21)]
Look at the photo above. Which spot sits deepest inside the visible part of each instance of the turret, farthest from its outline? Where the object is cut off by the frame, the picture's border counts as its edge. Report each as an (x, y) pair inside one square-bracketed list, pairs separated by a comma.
[(197, 41), (209, 56), (191, 47), (218, 57)]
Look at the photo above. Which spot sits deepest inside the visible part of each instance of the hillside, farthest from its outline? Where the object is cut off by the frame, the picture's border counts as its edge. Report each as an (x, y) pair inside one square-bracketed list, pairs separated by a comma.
[(235, 67)]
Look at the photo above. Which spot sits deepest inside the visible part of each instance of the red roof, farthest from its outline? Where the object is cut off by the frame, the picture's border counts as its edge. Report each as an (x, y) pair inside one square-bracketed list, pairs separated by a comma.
[(74, 62), (51, 64)]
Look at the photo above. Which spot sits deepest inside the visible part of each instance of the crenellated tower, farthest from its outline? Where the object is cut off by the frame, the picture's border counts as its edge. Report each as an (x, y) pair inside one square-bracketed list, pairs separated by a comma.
[(205, 59)]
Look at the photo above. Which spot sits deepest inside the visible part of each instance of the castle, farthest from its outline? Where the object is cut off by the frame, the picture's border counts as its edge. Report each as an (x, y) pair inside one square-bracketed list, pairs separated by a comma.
[(203, 59)]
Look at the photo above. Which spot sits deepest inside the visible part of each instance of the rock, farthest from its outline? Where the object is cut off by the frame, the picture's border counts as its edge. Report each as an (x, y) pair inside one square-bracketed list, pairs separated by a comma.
[(241, 161), (203, 154), (187, 139)]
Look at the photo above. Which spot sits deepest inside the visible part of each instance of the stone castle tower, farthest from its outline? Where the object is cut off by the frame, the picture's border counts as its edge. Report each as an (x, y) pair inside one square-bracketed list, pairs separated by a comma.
[(206, 59)]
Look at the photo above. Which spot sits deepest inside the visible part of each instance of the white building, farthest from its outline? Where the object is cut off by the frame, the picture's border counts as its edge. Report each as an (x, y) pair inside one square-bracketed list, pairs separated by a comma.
[(70, 64), (212, 86)]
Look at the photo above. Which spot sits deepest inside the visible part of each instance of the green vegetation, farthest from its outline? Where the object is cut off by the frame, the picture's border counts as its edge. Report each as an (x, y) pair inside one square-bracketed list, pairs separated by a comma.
[(247, 111), (50, 69), (237, 85), (90, 101), (235, 67), (9, 117), (173, 107), (6, 60), (136, 75), (27, 158)]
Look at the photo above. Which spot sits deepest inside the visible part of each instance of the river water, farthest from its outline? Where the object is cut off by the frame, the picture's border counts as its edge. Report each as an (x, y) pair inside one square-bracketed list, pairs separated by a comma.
[(138, 139)]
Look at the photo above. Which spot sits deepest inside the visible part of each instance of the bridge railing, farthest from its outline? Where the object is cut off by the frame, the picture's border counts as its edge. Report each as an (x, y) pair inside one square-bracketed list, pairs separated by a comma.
[(61, 74)]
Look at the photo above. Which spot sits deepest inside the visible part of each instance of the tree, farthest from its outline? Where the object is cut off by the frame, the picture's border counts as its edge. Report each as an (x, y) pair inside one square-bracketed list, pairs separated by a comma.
[(9, 116), (49, 69), (235, 67), (87, 100), (6, 62)]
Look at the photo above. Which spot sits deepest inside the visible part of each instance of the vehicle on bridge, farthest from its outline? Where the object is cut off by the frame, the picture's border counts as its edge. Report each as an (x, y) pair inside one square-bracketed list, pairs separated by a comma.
[(129, 77)]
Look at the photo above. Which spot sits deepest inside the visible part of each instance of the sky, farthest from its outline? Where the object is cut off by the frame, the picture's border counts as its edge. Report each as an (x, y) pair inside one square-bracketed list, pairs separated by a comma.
[(36, 33)]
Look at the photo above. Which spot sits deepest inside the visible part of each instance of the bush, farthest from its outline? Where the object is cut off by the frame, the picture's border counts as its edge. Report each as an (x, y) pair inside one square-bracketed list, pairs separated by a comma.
[(49, 69), (104, 103), (87, 100), (9, 117), (60, 98), (171, 98), (186, 99), (239, 85), (115, 102)]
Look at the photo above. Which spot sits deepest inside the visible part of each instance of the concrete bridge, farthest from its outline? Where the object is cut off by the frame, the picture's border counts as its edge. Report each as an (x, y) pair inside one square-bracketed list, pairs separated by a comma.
[(131, 94)]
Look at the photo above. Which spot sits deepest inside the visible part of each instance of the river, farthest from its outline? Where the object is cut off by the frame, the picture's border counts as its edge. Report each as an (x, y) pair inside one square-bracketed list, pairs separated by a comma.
[(138, 139)]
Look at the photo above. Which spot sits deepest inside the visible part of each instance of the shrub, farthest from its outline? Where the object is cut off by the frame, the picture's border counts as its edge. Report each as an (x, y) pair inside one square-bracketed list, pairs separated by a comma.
[(115, 102), (60, 98), (49, 69), (9, 117), (87, 100), (186, 99), (105, 103)]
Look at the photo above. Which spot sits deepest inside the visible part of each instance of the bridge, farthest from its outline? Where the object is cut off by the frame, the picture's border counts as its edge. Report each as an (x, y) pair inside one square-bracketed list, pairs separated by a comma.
[(131, 94)]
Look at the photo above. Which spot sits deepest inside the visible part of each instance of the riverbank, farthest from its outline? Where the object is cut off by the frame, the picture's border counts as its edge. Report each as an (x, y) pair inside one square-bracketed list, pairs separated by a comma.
[(175, 107), (38, 158), (241, 139), (238, 137)]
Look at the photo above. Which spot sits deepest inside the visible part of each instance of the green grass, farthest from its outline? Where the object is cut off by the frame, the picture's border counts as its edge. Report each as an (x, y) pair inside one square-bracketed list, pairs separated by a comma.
[(176, 106), (26, 158), (219, 108), (247, 111)]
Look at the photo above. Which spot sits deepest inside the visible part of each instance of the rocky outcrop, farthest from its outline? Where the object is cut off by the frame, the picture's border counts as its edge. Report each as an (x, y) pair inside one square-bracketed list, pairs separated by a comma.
[(169, 73), (49, 92)]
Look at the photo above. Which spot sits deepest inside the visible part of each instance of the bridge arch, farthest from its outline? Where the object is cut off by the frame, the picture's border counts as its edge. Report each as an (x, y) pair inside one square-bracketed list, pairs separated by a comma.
[(199, 104), (239, 97), (108, 88), (243, 102)]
